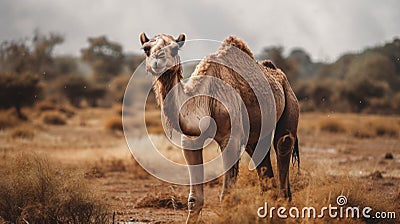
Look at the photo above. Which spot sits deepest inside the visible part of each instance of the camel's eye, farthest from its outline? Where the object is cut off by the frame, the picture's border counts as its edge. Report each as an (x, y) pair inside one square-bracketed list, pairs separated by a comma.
[(174, 51), (146, 50)]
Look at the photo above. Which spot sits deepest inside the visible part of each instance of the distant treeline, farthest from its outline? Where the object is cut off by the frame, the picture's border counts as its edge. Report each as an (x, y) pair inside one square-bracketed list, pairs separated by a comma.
[(361, 82), (30, 72)]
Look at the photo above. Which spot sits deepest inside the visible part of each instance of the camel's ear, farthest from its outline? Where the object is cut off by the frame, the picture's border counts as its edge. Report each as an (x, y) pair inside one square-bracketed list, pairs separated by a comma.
[(143, 38), (181, 40)]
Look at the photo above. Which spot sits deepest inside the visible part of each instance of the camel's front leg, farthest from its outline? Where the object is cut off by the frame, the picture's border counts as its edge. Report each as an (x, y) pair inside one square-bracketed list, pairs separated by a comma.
[(230, 158), (194, 160)]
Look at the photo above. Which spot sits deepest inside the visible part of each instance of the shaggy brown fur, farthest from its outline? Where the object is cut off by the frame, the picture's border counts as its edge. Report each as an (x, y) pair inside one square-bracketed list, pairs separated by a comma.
[(268, 64)]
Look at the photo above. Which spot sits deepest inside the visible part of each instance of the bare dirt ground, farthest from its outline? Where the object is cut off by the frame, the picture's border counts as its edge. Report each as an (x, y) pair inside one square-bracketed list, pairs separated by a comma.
[(354, 155)]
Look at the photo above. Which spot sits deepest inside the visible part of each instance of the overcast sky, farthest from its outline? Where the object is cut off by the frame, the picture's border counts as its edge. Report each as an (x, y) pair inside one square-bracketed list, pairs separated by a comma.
[(326, 29)]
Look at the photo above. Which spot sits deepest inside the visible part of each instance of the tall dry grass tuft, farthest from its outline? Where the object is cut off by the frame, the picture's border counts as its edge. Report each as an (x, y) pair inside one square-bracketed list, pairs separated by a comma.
[(312, 188), (34, 190), (332, 125), (22, 132), (53, 118), (385, 129), (67, 110), (114, 123), (46, 106)]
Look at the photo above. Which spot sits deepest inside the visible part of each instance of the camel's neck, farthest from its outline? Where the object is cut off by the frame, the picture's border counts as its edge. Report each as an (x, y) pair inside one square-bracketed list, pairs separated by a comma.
[(168, 80), (170, 103)]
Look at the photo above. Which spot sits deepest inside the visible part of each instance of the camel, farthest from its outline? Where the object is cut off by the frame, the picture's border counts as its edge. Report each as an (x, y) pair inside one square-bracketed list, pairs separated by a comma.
[(163, 62)]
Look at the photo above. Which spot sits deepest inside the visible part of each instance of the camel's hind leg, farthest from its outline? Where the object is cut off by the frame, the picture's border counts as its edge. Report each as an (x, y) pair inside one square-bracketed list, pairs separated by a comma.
[(264, 169), (283, 144), (285, 141)]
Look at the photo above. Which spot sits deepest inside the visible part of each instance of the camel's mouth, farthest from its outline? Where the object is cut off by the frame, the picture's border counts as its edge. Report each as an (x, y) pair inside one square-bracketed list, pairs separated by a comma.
[(158, 70), (158, 65)]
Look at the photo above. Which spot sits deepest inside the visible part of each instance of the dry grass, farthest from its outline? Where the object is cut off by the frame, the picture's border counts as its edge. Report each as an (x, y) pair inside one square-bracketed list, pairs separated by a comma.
[(101, 168), (67, 110), (357, 125), (46, 106), (171, 200), (153, 121), (313, 188), (54, 118), (34, 190), (8, 119), (22, 132), (386, 129), (332, 125), (114, 123), (376, 127)]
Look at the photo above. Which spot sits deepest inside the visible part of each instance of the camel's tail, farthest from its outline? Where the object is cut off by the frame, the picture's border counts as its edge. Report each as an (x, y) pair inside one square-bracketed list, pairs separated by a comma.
[(296, 154)]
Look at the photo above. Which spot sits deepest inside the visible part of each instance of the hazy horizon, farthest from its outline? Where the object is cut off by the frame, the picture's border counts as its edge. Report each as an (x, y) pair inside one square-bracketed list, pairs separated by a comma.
[(326, 30)]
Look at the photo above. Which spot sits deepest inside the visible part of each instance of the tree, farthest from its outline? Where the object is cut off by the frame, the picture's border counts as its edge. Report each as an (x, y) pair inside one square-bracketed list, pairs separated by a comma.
[(105, 58), (42, 54), (19, 56), (360, 92), (118, 86), (75, 88), (94, 92), (18, 90), (133, 61), (15, 57)]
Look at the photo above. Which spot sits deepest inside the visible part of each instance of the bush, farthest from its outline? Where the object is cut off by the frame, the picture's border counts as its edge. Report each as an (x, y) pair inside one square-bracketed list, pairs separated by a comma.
[(114, 124), (54, 118), (74, 88), (118, 86), (389, 130), (331, 125), (33, 191), (22, 132), (363, 133), (18, 90), (105, 57)]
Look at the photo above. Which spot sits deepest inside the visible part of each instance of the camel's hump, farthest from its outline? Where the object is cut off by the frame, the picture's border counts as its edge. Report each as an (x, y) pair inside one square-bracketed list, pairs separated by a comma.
[(239, 43), (268, 64)]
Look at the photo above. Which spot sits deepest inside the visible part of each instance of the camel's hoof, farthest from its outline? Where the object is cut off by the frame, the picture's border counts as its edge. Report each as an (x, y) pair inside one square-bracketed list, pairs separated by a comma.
[(193, 216), (284, 195)]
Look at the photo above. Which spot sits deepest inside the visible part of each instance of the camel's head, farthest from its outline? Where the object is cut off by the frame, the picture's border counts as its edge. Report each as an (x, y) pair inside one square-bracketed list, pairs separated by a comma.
[(161, 52)]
